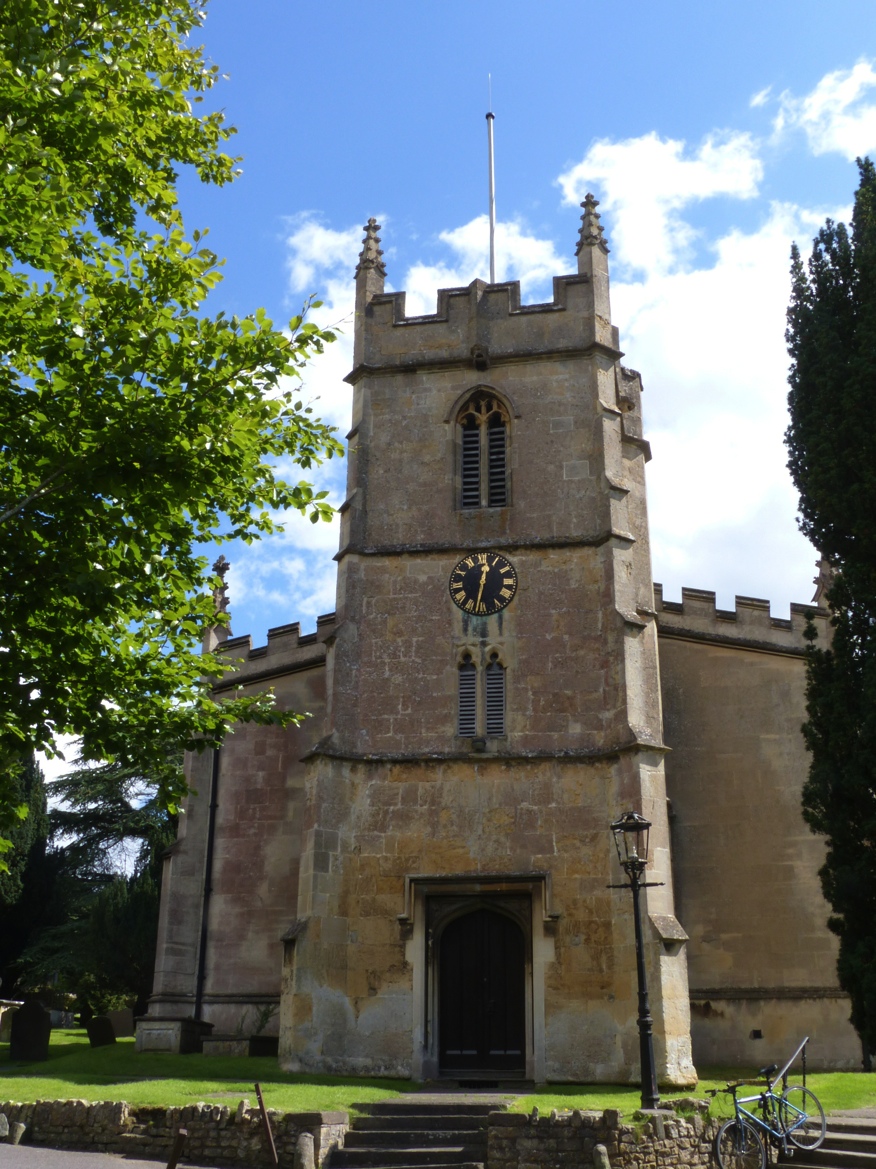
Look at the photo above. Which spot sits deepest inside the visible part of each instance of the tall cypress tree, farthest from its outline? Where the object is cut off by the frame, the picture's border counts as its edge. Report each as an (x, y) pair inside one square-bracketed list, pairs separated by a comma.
[(26, 901), (107, 837), (832, 444)]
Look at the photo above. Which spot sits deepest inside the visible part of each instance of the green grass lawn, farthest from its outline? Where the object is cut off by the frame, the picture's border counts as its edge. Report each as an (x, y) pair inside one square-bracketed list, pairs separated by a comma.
[(836, 1091), (75, 1070)]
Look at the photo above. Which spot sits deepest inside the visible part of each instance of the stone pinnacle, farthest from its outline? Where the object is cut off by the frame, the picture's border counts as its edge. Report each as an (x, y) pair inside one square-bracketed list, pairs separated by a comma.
[(370, 256), (591, 234)]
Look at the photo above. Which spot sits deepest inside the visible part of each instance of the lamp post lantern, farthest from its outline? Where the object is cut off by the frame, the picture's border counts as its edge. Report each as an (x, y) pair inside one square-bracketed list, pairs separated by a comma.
[(631, 833)]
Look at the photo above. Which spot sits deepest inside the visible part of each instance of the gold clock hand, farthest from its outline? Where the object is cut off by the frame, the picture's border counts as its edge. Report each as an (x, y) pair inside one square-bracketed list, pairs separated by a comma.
[(484, 571)]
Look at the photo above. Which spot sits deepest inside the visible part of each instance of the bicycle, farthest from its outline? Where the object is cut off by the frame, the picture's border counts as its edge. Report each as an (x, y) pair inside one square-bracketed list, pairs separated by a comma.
[(795, 1116)]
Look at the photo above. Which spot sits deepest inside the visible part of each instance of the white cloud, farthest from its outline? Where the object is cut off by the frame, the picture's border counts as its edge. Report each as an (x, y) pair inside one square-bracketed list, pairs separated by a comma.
[(709, 343), (648, 181), (836, 115), (315, 249), (761, 97)]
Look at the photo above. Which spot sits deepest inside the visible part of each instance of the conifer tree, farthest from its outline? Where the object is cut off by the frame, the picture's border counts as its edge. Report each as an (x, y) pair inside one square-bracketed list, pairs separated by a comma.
[(25, 886), (98, 888), (832, 443)]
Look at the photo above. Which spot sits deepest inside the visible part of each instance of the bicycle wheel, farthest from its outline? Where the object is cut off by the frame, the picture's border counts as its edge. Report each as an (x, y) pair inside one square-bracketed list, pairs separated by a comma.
[(738, 1146), (802, 1117)]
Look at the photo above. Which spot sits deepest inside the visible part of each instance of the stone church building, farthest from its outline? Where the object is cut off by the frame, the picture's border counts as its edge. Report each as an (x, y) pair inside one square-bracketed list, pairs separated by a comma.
[(415, 881)]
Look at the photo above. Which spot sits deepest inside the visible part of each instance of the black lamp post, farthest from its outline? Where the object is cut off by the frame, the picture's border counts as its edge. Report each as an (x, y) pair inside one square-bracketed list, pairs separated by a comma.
[(631, 839)]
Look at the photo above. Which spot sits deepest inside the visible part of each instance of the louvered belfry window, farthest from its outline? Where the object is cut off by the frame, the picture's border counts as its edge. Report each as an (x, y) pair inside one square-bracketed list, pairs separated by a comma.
[(471, 464), (467, 715), (497, 474), (491, 717), (495, 697), (483, 444)]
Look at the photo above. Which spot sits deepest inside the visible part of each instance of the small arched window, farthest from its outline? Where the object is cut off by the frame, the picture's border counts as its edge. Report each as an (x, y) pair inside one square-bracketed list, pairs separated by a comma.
[(495, 697), (467, 701), (483, 446)]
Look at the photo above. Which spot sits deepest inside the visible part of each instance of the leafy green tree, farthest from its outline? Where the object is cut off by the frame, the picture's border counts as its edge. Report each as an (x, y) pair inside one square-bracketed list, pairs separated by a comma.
[(832, 444), (134, 428)]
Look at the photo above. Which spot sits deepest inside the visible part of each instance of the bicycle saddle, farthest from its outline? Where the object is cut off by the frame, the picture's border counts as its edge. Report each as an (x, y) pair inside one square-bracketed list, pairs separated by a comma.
[(769, 1071)]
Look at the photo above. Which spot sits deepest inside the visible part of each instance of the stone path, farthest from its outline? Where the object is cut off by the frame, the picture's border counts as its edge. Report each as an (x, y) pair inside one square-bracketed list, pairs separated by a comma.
[(38, 1157), (35, 1157)]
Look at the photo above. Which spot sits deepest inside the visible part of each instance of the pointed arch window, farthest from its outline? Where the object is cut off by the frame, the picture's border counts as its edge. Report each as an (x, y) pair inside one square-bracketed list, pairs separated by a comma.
[(483, 446)]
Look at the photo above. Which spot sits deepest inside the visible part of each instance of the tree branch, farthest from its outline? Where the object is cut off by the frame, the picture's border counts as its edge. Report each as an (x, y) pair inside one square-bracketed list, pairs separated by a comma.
[(42, 489)]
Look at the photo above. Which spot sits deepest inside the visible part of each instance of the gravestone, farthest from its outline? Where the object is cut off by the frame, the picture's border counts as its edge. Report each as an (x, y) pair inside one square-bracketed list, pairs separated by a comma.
[(100, 1031), (122, 1021), (30, 1032), (8, 1007)]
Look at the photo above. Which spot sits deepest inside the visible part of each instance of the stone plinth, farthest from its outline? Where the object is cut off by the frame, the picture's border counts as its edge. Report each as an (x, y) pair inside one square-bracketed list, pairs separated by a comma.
[(178, 1036)]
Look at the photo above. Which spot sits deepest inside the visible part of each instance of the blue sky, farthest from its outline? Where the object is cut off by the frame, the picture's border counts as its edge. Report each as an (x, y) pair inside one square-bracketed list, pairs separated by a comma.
[(713, 134)]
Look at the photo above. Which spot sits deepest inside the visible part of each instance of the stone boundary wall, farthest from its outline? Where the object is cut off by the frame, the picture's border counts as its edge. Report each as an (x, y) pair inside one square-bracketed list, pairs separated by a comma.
[(218, 1134), (660, 1139)]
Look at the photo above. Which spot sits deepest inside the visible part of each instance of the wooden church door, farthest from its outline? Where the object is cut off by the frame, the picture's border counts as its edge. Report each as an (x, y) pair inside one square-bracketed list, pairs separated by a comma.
[(482, 995)]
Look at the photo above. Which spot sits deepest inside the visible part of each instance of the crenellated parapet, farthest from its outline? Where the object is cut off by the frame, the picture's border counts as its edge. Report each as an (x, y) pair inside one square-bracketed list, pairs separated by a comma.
[(482, 317), (749, 625), (287, 650), (484, 324)]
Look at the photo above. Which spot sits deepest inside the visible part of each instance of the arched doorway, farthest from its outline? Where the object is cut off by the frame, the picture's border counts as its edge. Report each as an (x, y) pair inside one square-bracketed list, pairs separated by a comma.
[(482, 993)]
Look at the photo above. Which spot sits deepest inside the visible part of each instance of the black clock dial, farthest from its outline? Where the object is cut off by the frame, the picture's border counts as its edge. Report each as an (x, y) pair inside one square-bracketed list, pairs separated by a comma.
[(483, 583)]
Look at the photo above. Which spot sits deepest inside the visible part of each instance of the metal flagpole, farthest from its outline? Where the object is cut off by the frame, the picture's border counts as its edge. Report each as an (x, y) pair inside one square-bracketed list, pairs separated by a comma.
[(490, 120)]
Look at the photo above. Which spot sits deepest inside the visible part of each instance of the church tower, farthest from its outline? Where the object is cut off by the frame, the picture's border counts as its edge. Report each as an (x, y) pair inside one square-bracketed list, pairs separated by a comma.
[(493, 703)]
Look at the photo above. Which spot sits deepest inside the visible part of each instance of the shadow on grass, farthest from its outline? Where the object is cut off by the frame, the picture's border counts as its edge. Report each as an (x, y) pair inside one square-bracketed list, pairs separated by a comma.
[(74, 1061)]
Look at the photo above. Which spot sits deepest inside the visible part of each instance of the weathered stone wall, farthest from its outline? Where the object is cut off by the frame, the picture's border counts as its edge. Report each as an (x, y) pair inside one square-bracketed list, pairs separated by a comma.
[(357, 966), (220, 1135), (257, 844), (569, 1140), (762, 963)]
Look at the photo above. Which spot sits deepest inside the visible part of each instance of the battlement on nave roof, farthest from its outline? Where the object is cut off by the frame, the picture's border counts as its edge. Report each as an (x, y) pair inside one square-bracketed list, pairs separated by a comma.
[(750, 624)]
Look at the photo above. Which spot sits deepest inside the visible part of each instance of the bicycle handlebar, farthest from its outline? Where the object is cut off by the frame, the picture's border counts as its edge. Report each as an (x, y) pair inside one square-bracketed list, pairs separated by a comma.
[(769, 1073), (733, 1085)]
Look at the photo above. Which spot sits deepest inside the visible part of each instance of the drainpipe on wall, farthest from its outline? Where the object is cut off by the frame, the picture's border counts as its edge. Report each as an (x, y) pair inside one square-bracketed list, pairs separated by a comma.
[(208, 887)]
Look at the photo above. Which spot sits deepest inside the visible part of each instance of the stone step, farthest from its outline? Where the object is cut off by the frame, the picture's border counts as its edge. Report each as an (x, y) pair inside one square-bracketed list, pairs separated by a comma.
[(403, 1138), (448, 1164), (827, 1157), (852, 1142), (443, 1107), (852, 1124), (455, 1121), (405, 1158)]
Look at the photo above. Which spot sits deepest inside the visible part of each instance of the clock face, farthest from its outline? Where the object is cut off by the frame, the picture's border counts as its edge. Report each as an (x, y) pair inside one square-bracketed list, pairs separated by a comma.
[(483, 583)]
